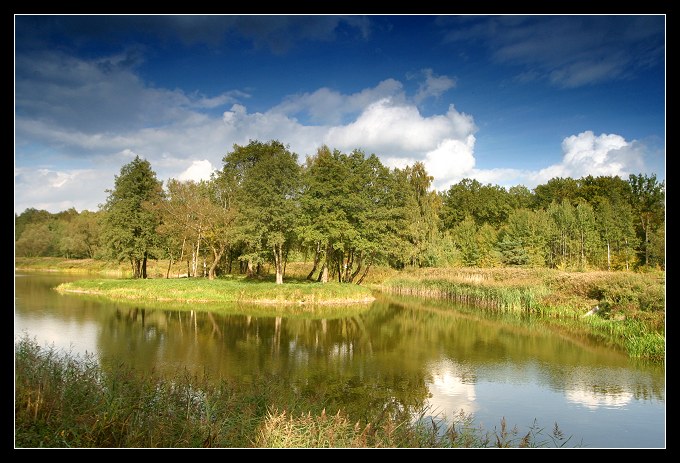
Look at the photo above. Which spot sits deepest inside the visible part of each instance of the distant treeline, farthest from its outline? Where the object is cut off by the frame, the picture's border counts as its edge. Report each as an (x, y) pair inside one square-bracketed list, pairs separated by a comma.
[(347, 212)]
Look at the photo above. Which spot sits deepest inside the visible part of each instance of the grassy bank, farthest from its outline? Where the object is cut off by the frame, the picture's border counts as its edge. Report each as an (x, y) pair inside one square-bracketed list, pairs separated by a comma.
[(62, 400), (624, 309), (222, 290), (75, 266)]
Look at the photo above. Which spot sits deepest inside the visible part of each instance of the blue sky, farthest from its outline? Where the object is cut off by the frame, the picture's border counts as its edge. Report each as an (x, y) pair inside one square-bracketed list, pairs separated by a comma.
[(507, 100)]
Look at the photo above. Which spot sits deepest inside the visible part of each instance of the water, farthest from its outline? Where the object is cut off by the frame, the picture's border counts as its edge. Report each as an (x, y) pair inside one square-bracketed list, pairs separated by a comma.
[(450, 359)]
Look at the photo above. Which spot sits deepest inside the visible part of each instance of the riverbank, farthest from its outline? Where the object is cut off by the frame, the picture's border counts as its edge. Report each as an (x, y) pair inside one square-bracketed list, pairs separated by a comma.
[(622, 309), (225, 290)]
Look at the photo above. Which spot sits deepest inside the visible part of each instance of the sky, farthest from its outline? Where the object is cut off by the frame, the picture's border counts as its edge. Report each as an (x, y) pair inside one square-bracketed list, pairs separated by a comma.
[(504, 99)]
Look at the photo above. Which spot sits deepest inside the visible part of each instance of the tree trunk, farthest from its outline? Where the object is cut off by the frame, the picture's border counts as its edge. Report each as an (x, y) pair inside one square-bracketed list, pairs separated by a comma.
[(323, 275), (364, 275), (317, 258), (217, 255), (278, 263), (609, 258), (144, 265), (167, 274)]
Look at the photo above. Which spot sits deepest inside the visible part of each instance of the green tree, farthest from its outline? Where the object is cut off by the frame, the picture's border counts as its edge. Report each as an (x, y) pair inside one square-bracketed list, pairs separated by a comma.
[(520, 197), (36, 240), (585, 229), (324, 224), (615, 225), (648, 201), (422, 208), (81, 236), (464, 236), (129, 230), (267, 181), (484, 203), (562, 241), (30, 216), (555, 190), (523, 240)]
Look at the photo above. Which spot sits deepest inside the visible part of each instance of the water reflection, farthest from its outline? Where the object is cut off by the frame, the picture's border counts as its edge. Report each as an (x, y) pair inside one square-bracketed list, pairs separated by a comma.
[(398, 353), (452, 388), (595, 399)]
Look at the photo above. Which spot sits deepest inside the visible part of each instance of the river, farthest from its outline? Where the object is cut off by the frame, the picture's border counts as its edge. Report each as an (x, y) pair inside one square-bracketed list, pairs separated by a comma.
[(448, 358)]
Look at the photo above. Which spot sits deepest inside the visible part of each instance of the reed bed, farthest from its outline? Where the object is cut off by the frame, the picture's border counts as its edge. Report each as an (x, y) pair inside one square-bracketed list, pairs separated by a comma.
[(65, 401)]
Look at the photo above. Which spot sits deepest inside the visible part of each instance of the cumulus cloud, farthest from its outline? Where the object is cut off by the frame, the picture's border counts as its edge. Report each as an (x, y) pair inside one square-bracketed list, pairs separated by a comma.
[(198, 170), (587, 154), (394, 128), (93, 119), (327, 106)]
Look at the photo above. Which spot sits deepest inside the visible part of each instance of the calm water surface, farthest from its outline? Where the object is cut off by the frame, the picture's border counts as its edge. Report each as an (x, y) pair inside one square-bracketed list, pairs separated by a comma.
[(448, 358)]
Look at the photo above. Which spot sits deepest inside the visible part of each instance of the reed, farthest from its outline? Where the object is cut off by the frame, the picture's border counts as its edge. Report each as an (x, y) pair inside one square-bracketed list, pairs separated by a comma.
[(64, 400)]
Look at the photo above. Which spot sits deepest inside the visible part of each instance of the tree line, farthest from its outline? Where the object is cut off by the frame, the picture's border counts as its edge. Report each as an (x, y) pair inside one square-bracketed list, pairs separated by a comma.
[(346, 212)]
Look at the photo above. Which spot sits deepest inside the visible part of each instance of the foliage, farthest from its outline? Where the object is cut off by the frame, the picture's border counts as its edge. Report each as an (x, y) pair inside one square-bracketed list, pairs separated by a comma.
[(350, 213), (129, 229)]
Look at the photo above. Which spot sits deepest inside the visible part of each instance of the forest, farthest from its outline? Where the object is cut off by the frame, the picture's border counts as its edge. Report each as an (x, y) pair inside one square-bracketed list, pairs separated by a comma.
[(345, 213)]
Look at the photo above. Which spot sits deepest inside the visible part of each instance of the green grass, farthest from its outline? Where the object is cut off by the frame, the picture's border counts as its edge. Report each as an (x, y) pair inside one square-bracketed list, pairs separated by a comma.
[(222, 290), (631, 317), (75, 266), (632, 306), (64, 401)]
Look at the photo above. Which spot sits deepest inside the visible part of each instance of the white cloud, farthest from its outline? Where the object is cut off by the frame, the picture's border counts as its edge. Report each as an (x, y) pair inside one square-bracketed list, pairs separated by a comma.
[(58, 190), (451, 160), (398, 129), (327, 106), (60, 115), (586, 154), (198, 170)]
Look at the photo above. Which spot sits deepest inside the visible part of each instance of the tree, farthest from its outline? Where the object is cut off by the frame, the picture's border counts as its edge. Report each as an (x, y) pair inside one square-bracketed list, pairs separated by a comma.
[(648, 201), (81, 236), (484, 203), (585, 228), (266, 177), (556, 190), (422, 212), (30, 216), (523, 239), (324, 220), (464, 236), (35, 240), (129, 231)]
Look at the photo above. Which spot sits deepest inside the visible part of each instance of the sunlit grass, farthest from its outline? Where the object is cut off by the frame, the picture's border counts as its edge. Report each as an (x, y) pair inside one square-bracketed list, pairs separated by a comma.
[(631, 307), (221, 290)]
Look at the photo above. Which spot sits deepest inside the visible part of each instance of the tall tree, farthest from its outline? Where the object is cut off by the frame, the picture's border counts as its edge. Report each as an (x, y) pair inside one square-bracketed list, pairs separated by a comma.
[(648, 201), (422, 207), (555, 190), (324, 223), (484, 203), (129, 230), (267, 181)]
